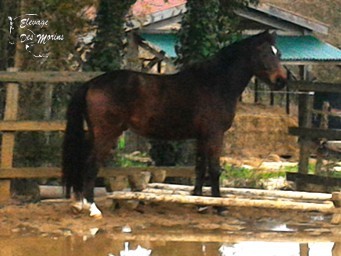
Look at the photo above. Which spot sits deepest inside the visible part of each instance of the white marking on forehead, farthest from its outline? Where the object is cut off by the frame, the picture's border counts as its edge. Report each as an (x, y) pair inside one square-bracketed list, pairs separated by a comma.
[(274, 49)]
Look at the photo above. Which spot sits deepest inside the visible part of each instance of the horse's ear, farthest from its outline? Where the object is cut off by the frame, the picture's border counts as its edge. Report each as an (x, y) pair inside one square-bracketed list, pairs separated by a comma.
[(267, 36), (272, 37)]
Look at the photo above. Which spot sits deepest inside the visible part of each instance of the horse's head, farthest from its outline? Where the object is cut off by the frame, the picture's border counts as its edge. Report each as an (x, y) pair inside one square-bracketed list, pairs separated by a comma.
[(265, 58)]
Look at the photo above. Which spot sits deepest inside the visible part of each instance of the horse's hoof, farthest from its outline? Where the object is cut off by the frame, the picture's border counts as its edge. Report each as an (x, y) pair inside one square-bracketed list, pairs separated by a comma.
[(97, 216), (77, 207), (95, 212), (202, 209), (221, 211)]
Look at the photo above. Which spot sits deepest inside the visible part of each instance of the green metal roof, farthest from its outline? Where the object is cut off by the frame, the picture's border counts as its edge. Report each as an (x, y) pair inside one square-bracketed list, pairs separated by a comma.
[(293, 48), (165, 42), (307, 48)]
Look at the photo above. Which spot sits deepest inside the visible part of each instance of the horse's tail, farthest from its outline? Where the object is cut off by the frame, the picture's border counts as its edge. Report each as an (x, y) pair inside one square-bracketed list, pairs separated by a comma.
[(74, 145)]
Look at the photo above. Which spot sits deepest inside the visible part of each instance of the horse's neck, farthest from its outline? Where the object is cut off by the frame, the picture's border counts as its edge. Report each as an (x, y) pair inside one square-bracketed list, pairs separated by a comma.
[(230, 75), (235, 76)]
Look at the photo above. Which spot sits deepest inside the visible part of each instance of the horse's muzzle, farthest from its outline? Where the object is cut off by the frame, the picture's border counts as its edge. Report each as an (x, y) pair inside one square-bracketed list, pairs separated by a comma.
[(279, 78), (280, 83)]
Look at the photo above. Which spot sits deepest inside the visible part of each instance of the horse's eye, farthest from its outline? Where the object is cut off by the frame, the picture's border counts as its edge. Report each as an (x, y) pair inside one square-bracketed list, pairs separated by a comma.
[(274, 49)]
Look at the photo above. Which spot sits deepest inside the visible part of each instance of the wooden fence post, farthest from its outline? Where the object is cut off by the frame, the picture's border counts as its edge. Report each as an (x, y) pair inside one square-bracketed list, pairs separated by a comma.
[(8, 138), (324, 125), (305, 120), (305, 106)]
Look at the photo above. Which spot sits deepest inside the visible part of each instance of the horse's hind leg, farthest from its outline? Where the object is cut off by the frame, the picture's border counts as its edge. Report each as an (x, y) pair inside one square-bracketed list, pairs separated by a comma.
[(104, 138)]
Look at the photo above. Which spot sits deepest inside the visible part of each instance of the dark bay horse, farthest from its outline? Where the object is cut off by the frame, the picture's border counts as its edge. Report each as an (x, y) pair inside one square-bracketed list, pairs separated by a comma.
[(196, 103)]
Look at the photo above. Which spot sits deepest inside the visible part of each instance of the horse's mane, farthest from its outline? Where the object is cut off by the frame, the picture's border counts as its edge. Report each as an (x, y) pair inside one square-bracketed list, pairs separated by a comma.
[(231, 52)]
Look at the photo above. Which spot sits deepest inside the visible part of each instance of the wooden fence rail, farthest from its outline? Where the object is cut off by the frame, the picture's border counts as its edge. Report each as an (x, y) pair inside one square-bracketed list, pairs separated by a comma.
[(55, 172), (10, 125), (47, 77)]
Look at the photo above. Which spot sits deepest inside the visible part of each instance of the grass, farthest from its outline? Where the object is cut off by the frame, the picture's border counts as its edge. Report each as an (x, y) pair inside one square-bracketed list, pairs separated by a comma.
[(253, 177), (311, 170), (233, 172), (245, 177)]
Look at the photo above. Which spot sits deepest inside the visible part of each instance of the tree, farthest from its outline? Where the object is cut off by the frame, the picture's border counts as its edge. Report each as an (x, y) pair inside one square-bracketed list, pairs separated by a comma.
[(206, 27), (108, 49)]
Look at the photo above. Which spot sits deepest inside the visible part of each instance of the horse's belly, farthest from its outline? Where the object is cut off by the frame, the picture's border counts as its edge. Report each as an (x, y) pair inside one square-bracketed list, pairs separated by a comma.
[(163, 129)]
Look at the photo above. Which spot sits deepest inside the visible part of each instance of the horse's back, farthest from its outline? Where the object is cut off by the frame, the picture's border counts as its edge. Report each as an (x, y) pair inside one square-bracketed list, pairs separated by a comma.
[(151, 105)]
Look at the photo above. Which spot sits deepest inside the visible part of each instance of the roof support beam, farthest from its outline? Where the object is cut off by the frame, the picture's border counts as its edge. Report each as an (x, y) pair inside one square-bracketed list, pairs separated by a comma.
[(267, 20), (284, 15)]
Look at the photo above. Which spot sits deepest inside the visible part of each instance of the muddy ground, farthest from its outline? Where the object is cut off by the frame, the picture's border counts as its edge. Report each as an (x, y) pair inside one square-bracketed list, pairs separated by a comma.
[(57, 219)]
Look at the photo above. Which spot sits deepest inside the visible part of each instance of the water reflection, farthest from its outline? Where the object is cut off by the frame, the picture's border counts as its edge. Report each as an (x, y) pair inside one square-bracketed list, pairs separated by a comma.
[(103, 245), (276, 249)]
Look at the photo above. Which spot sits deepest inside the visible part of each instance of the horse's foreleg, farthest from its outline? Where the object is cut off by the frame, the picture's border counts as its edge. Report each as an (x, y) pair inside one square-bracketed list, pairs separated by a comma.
[(214, 148), (214, 152), (200, 168), (214, 171)]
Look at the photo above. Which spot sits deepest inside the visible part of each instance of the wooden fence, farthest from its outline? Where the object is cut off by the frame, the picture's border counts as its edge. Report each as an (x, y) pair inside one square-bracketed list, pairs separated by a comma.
[(10, 125), (308, 135)]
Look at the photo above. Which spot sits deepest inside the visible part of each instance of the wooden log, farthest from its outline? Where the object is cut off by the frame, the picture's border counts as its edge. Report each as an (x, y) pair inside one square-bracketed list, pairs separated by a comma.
[(58, 192), (159, 176), (139, 181), (219, 237), (118, 183), (55, 172), (227, 202), (234, 195), (249, 192), (43, 126), (186, 172), (57, 201), (172, 192), (336, 198)]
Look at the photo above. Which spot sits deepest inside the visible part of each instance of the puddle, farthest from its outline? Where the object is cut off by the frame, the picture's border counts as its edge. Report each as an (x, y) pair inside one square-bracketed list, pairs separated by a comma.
[(110, 245), (165, 230)]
